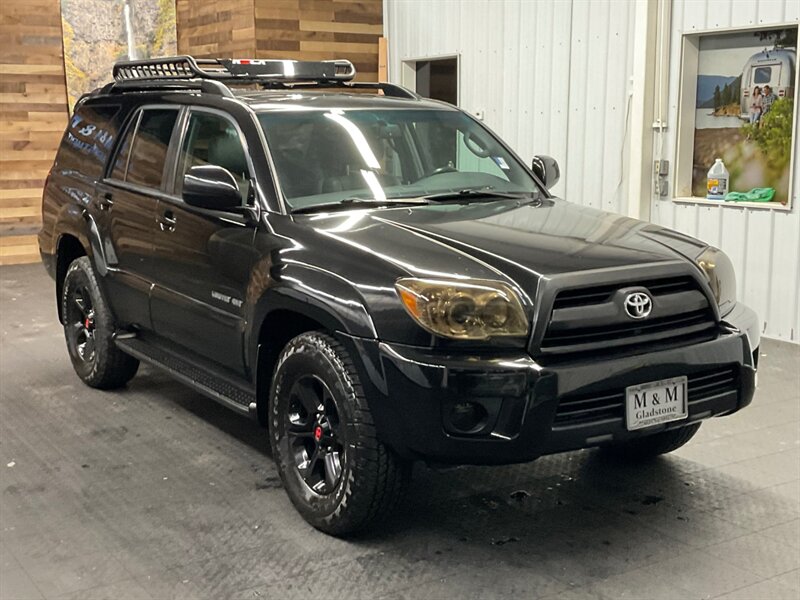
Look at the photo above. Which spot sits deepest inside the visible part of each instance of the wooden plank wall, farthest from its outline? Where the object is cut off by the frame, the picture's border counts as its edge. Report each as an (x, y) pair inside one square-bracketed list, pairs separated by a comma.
[(209, 28), (298, 29), (33, 115), (33, 101), (321, 29)]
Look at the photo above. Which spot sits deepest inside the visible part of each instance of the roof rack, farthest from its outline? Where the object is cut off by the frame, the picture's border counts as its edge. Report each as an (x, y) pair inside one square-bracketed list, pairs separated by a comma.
[(213, 75), (234, 70)]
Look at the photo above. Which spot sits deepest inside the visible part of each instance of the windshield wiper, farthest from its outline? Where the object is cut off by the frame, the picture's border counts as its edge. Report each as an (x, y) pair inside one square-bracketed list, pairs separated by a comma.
[(475, 193), (357, 203)]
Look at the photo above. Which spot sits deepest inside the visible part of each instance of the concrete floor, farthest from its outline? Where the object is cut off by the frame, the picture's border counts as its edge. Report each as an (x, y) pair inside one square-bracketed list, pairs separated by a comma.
[(156, 492)]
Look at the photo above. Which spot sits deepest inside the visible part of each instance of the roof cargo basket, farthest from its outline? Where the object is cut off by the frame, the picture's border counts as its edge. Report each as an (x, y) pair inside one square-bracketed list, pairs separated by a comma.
[(233, 70), (214, 75)]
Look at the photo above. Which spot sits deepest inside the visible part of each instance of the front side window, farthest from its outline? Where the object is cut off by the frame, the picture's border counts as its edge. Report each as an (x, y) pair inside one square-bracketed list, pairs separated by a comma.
[(322, 157), (148, 152), (212, 139)]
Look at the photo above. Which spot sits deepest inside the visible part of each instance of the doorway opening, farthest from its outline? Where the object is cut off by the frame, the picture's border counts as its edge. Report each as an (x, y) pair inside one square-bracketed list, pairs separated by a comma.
[(434, 78)]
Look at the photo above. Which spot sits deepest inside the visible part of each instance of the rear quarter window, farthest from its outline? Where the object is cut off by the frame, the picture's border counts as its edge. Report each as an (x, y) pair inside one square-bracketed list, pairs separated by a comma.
[(88, 139)]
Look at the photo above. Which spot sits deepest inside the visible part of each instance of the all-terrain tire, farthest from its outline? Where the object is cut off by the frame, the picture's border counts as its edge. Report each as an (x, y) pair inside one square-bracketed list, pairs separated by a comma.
[(372, 477), (89, 329)]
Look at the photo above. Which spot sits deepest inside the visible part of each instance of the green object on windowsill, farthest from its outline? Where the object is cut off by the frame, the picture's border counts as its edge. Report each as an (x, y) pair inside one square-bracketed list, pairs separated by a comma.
[(754, 195)]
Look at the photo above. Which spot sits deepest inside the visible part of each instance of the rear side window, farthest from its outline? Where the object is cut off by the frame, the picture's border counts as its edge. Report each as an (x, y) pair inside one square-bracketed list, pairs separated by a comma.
[(148, 152), (88, 139), (121, 160)]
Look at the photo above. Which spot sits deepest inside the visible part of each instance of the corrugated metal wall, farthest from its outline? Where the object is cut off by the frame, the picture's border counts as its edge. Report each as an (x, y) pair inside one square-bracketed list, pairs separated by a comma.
[(553, 78), (540, 73), (764, 245)]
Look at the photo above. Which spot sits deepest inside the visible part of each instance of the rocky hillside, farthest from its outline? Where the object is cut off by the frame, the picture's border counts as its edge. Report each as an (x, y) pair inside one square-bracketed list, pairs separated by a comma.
[(95, 37)]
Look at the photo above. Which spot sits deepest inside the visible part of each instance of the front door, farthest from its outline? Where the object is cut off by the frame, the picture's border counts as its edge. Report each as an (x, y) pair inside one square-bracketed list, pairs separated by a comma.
[(204, 256), (126, 204)]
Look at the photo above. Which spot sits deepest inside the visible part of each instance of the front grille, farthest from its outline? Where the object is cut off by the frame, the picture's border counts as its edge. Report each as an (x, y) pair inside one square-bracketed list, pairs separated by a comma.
[(685, 323), (594, 408), (592, 319), (602, 293)]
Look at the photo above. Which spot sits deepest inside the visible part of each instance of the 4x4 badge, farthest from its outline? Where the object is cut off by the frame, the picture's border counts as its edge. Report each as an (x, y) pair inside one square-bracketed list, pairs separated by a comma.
[(638, 305)]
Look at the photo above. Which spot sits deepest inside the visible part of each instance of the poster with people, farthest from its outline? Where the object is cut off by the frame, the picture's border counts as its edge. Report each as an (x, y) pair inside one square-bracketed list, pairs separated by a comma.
[(744, 114), (97, 33)]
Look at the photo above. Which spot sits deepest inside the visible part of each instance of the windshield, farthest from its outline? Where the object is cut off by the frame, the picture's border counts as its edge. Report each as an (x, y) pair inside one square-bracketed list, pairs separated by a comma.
[(325, 157)]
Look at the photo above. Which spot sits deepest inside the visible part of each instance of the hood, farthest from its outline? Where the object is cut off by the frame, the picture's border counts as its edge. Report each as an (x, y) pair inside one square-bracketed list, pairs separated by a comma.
[(539, 239), (520, 243)]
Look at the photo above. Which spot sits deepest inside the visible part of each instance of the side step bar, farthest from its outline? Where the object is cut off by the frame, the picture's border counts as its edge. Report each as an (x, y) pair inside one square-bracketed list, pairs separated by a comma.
[(229, 393)]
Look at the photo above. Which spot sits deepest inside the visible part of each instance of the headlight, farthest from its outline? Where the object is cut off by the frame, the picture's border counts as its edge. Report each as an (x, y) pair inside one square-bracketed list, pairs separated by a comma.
[(465, 310), (718, 270)]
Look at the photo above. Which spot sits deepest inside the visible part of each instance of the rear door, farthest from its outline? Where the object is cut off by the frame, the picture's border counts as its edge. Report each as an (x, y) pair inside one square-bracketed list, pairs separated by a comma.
[(205, 257), (128, 199)]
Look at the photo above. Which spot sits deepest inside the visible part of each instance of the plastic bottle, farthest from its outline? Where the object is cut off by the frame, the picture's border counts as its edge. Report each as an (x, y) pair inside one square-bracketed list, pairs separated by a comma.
[(718, 177)]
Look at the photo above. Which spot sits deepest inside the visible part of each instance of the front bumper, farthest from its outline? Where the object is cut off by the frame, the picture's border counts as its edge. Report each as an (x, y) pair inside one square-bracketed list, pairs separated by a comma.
[(412, 391), (744, 318)]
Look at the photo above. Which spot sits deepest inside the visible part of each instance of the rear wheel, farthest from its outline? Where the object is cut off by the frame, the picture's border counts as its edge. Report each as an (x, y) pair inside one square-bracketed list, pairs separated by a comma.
[(652, 445), (89, 329), (336, 472)]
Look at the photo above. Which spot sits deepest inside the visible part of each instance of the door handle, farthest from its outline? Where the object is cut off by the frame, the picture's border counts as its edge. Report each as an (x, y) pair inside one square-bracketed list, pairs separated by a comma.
[(167, 221), (106, 202)]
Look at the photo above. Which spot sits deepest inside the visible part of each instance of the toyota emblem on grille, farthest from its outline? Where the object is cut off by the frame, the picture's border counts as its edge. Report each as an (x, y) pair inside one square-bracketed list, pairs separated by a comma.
[(638, 305)]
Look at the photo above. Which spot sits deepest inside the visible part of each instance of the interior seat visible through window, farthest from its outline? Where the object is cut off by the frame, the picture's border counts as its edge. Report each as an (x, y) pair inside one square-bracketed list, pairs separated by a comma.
[(212, 139)]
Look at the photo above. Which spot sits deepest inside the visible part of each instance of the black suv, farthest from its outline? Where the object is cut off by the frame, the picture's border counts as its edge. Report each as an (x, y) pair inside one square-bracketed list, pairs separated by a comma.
[(375, 277)]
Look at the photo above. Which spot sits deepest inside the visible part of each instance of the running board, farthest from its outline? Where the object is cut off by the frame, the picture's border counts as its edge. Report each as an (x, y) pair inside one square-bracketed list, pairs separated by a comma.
[(232, 394)]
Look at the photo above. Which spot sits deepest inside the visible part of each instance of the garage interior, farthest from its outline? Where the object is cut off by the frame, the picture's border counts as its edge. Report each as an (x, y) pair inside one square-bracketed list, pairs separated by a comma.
[(158, 492)]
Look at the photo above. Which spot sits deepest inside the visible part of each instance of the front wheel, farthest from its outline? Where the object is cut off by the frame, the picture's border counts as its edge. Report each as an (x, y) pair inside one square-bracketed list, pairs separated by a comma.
[(652, 445), (89, 331), (338, 475)]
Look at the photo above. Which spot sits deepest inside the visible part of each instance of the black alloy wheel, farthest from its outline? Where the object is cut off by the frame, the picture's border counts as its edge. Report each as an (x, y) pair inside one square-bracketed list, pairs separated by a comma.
[(315, 434), (80, 321), (340, 477), (89, 330)]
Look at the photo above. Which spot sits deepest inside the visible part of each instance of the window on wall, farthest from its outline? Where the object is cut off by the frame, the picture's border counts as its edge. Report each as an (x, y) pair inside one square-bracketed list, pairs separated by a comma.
[(437, 79), (738, 117)]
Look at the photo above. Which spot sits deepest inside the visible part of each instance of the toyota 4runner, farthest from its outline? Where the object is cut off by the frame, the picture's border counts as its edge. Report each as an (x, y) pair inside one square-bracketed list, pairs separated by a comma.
[(376, 278)]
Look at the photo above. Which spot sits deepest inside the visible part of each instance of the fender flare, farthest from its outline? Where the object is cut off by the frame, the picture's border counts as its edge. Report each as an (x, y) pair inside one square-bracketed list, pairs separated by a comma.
[(78, 222), (341, 308)]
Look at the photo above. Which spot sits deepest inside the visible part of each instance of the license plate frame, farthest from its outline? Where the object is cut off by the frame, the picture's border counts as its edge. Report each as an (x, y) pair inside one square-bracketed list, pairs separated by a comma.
[(656, 402)]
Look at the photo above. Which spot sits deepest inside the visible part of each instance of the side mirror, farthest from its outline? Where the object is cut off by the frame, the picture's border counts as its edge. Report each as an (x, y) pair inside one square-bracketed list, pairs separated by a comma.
[(211, 187), (546, 169)]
